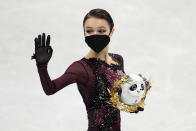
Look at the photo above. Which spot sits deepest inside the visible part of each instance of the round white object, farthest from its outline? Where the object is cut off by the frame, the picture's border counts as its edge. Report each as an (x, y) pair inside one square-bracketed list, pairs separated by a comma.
[(132, 92)]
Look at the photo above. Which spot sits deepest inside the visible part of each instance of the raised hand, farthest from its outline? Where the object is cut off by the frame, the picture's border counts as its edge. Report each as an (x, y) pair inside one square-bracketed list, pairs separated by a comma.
[(43, 50)]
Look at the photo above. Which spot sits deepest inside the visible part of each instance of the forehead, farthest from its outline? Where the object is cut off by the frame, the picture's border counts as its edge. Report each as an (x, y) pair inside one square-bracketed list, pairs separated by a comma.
[(93, 22)]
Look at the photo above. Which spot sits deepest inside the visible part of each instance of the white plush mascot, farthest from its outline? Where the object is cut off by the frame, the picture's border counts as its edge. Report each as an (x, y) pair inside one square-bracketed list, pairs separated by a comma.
[(129, 92)]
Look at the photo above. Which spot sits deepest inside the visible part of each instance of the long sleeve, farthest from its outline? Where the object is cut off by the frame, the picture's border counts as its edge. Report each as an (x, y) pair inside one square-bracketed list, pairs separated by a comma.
[(74, 73), (120, 58), (122, 63)]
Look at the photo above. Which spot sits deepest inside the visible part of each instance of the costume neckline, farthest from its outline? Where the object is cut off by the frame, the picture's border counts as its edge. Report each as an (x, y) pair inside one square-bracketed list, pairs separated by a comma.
[(93, 59)]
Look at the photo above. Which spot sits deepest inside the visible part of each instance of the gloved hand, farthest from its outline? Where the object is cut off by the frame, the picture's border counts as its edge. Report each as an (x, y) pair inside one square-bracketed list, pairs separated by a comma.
[(138, 109), (43, 50)]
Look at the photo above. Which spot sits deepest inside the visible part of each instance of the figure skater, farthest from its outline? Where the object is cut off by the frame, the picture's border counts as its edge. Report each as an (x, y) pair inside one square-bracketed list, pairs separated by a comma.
[(93, 73)]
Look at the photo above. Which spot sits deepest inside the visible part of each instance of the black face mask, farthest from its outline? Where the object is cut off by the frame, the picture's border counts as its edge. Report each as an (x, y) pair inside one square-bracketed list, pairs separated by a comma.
[(97, 42)]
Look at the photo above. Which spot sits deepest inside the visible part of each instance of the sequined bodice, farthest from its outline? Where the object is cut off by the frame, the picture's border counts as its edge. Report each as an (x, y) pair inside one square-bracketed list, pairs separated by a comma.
[(105, 116)]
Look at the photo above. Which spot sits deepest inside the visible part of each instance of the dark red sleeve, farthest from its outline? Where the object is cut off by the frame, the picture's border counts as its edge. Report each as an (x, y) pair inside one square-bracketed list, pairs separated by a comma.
[(120, 58), (122, 63), (74, 73)]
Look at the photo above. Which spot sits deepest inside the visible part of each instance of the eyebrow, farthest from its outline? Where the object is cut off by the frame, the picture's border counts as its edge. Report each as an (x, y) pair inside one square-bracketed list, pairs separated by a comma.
[(98, 27)]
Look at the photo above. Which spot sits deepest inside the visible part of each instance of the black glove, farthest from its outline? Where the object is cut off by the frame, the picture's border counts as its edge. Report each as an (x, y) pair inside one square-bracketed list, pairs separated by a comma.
[(138, 109), (43, 50)]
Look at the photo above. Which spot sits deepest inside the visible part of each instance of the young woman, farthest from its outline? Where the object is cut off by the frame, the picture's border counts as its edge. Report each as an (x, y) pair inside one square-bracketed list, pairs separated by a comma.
[(94, 73)]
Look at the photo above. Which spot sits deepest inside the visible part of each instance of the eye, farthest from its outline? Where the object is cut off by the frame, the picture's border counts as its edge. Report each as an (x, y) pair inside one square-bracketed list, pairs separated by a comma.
[(89, 31), (133, 87), (142, 85), (102, 31)]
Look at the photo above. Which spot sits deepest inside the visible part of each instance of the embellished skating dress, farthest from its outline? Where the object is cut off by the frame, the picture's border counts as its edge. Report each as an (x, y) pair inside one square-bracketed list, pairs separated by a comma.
[(93, 76)]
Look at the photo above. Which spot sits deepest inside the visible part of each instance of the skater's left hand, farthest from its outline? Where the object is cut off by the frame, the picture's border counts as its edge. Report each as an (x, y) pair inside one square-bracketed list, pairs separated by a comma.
[(138, 109)]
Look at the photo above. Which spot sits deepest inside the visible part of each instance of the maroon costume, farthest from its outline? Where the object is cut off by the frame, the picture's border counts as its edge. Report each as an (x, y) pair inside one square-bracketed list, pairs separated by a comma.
[(93, 76)]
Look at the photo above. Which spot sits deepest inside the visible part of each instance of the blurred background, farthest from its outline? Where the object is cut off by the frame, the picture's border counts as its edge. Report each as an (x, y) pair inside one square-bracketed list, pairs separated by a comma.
[(155, 37)]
